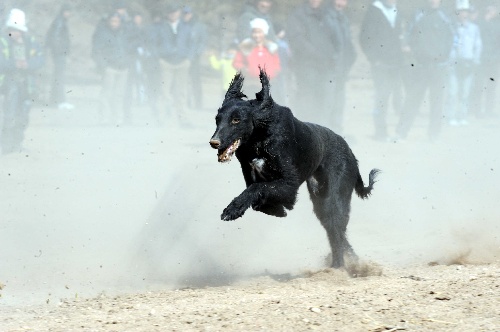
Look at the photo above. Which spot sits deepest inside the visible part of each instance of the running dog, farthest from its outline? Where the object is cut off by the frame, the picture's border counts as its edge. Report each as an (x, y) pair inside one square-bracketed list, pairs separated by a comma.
[(278, 153)]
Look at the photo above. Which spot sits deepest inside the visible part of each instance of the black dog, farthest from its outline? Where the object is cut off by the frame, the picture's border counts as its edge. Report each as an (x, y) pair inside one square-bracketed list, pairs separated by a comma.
[(278, 153)]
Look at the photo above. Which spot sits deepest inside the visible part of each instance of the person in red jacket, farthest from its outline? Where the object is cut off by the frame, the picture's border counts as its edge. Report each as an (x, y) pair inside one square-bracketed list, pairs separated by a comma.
[(257, 51)]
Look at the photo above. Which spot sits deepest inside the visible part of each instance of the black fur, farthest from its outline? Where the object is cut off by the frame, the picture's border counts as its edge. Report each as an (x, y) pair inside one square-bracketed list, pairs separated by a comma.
[(277, 153)]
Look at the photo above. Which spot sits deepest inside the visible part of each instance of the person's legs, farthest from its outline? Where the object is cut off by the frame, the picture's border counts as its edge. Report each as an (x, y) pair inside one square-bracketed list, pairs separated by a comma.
[(131, 91), (279, 89), (153, 85), (326, 89), (195, 94), (307, 101), (168, 80), (413, 99), (58, 80), (397, 89), (436, 76), (450, 103), (104, 106), (118, 99), (383, 87), (316, 93), (338, 105), (179, 89), (22, 120), (112, 97), (9, 113), (16, 117), (464, 96)]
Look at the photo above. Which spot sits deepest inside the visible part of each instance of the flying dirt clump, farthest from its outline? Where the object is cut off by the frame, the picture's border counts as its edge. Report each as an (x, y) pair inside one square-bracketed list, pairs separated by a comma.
[(362, 269), (357, 268)]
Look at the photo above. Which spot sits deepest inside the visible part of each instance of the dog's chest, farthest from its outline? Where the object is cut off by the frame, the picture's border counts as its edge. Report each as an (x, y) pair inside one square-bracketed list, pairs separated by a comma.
[(258, 170), (262, 164)]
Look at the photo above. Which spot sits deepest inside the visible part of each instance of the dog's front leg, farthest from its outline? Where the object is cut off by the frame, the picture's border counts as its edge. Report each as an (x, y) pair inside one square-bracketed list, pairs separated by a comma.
[(259, 195), (238, 206)]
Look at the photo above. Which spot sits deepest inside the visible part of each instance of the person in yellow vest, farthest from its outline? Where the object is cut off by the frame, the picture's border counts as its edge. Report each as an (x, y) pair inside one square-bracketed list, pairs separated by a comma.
[(20, 57), (224, 64)]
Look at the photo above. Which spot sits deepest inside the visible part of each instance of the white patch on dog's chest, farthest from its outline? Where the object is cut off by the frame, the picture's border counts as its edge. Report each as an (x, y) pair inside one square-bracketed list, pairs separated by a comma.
[(257, 172)]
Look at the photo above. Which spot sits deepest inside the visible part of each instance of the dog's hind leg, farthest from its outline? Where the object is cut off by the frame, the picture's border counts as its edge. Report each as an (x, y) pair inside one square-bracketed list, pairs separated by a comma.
[(331, 202)]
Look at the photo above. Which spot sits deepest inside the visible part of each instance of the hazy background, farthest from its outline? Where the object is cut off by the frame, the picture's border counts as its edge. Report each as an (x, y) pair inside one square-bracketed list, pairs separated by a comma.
[(87, 208)]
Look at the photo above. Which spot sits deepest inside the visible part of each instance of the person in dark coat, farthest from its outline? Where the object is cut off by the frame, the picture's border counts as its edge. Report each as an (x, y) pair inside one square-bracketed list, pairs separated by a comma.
[(346, 58), (58, 42), (314, 44), (430, 39), (20, 58), (381, 41), (198, 41), (112, 56), (486, 82), (175, 48), (141, 83)]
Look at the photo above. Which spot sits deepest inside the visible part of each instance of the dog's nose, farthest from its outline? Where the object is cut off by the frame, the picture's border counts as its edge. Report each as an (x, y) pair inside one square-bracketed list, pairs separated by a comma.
[(214, 143)]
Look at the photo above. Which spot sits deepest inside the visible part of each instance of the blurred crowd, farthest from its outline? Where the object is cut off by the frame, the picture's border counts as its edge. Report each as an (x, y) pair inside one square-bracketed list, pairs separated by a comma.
[(447, 59)]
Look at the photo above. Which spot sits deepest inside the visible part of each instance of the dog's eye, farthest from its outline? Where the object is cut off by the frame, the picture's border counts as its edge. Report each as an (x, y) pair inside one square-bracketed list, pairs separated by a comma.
[(235, 121)]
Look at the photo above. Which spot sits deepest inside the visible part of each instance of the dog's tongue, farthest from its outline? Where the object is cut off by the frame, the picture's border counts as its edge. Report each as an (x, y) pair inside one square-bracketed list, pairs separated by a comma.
[(228, 153)]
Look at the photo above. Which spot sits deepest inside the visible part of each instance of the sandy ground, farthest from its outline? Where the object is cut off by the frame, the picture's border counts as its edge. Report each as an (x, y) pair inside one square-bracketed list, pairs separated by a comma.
[(117, 228), (419, 298)]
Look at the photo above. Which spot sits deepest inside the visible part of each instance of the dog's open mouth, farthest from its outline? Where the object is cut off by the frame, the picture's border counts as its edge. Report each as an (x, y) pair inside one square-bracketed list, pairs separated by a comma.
[(228, 153)]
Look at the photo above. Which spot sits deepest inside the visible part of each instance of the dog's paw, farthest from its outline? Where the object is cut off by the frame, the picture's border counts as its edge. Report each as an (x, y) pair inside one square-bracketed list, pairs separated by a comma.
[(233, 211)]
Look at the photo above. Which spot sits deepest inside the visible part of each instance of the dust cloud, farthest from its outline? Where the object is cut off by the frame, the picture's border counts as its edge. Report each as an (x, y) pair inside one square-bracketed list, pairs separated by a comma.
[(88, 208), (92, 214)]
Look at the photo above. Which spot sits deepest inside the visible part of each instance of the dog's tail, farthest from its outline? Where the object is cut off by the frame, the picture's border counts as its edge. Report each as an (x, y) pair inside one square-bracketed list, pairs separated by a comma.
[(362, 191)]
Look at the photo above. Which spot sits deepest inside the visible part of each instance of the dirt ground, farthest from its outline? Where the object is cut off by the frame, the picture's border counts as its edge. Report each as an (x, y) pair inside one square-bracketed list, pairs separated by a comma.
[(116, 228), (423, 298), (417, 298)]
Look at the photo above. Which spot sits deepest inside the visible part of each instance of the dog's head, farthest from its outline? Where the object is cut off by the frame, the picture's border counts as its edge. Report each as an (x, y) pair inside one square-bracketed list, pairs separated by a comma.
[(237, 118)]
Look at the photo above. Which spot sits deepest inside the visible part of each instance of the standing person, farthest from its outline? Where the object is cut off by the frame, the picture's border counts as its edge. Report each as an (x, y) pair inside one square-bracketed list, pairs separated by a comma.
[(224, 64), (255, 9), (139, 48), (136, 88), (199, 41), (152, 66), (466, 57), (257, 52), (262, 9), (485, 82), (380, 39), (59, 43), (175, 48), (430, 39), (315, 51), (20, 58), (282, 81), (111, 53), (345, 61)]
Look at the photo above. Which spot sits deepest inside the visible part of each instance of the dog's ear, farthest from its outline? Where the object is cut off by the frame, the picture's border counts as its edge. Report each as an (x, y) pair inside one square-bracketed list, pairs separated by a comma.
[(261, 117), (264, 95), (234, 90)]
